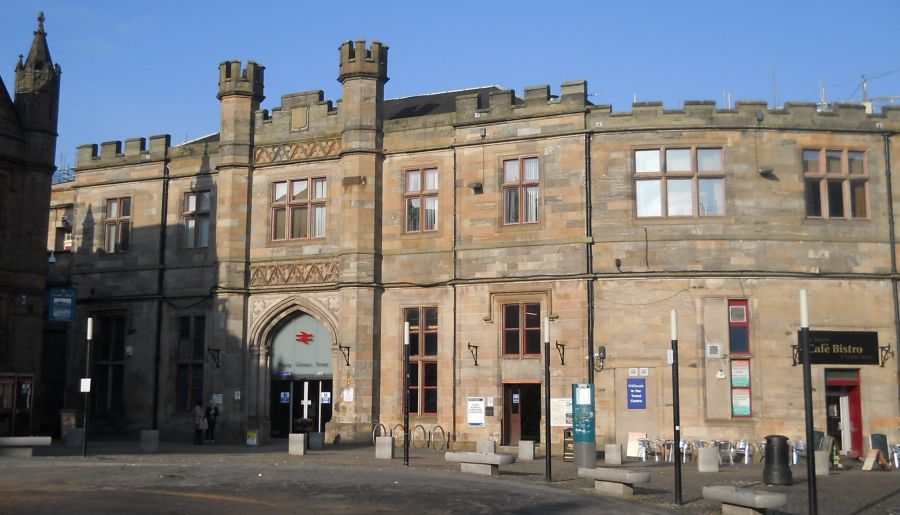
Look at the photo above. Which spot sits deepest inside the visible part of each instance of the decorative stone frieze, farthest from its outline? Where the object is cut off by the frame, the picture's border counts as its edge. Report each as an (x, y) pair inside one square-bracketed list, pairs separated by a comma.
[(299, 151), (297, 273)]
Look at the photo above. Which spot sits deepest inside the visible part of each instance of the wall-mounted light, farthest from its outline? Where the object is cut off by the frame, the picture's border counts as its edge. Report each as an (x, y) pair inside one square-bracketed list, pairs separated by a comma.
[(477, 187), (886, 352), (600, 358), (561, 349), (473, 350), (214, 354), (345, 351), (618, 264), (766, 171), (52, 258)]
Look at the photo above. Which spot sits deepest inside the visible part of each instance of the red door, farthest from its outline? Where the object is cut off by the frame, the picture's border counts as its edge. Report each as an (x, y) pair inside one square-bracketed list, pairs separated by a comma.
[(845, 383)]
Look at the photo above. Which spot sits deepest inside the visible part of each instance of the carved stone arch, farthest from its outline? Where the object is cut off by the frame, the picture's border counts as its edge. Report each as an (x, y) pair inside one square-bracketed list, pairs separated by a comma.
[(268, 321)]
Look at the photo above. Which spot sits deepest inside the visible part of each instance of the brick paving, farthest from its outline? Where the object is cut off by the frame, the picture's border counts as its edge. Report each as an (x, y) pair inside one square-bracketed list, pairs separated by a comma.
[(842, 492)]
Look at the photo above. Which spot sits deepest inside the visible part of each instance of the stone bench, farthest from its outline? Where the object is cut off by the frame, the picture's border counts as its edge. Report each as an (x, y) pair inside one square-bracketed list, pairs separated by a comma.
[(486, 464), (21, 446), (614, 481), (743, 501)]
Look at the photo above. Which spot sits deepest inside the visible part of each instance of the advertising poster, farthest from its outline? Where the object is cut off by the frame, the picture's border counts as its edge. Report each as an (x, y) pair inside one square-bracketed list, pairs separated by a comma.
[(740, 373), (561, 412), (475, 411), (740, 402)]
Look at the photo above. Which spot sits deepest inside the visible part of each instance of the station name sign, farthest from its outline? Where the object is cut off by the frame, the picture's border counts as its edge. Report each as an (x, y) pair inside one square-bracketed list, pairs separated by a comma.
[(842, 347)]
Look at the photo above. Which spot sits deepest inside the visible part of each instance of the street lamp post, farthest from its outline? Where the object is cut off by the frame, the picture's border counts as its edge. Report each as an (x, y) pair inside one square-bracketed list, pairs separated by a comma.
[(807, 403), (87, 389), (548, 471), (676, 409), (406, 394)]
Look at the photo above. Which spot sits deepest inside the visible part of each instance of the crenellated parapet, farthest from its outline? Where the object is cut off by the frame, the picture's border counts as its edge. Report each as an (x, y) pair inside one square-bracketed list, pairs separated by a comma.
[(537, 101), (745, 114), (234, 80), (111, 152), (359, 61)]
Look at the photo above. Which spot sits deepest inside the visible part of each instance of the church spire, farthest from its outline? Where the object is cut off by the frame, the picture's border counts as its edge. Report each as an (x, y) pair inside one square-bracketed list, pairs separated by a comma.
[(39, 55), (37, 92)]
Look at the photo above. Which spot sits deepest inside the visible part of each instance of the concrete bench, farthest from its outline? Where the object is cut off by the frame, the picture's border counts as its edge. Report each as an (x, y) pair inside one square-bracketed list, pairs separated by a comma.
[(486, 464), (743, 501), (20, 446), (614, 481)]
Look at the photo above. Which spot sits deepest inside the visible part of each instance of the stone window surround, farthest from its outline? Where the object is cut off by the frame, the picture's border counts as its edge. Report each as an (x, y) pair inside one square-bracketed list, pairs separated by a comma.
[(311, 203), (823, 176), (422, 359), (521, 329), (198, 216), (121, 223), (693, 173), (520, 186), (421, 194)]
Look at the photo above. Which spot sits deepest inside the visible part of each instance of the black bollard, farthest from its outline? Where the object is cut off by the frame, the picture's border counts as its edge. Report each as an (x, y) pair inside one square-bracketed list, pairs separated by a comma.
[(777, 471)]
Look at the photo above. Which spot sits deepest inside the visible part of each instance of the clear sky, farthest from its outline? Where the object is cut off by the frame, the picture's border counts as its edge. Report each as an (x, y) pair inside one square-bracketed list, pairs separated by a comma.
[(133, 69)]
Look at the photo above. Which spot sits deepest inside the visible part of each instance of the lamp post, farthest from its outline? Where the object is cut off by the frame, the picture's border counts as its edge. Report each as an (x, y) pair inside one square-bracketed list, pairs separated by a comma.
[(548, 472), (676, 409), (807, 403), (87, 389), (406, 394)]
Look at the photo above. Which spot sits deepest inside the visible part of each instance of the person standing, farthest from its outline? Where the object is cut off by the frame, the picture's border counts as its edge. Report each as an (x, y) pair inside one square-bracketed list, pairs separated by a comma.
[(199, 423), (212, 413)]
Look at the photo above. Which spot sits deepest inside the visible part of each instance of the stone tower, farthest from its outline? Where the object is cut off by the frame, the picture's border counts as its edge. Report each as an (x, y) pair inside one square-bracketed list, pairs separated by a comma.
[(37, 97), (240, 93), (363, 73), (27, 150)]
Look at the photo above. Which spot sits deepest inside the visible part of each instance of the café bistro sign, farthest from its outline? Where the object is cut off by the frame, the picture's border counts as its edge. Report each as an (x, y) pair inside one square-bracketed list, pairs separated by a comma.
[(843, 348)]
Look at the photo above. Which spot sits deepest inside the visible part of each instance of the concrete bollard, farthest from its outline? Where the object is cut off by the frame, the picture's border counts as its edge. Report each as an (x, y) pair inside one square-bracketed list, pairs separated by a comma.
[(823, 463), (297, 444), (384, 447), (708, 459), (73, 437), (486, 447), (149, 440), (526, 450), (316, 441), (612, 454)]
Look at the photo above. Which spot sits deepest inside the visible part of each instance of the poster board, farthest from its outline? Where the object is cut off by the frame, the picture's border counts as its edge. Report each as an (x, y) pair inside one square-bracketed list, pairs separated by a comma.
[(561, 412), (633, 447), (475, 411)]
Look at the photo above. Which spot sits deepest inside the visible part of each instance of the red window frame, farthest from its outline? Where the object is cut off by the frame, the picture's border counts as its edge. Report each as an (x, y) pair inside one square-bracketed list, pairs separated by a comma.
[(284, 208), (120, 221), (520, 185), (521, 329), (422, 195), (423, 366)]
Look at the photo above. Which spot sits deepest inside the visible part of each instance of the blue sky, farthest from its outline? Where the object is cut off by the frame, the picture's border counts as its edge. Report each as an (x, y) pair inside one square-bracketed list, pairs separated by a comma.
[(133, 69)]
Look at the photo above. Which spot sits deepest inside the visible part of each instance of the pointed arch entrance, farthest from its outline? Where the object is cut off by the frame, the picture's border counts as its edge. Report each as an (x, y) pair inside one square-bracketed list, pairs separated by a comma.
[(301, 373)]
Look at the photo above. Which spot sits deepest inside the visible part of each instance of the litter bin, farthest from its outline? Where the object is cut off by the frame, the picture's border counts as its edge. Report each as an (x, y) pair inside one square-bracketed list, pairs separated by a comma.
[(777, 471), (569, 444)]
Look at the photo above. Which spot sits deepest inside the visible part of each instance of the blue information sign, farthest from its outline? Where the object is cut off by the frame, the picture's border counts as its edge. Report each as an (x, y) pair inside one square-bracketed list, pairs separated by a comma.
[(62, 305), (583, 413), (637, 393)]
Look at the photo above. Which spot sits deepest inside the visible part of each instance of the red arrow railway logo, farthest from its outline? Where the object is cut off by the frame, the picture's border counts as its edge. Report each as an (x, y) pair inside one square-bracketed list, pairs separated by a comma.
[(304, 337)]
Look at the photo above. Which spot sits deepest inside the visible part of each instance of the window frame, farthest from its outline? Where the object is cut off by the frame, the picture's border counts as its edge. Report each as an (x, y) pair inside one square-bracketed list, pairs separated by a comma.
[(520, 185), (187, 364), (422, 360), (422, 195), (662, 176), (108, 362), (121, 223), (198, 216), (311, 203), (824, 176), (521, 330)]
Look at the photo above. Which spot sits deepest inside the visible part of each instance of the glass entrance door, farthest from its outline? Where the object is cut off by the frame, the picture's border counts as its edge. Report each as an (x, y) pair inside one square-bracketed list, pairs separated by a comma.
[(300, 406), (521, 413)]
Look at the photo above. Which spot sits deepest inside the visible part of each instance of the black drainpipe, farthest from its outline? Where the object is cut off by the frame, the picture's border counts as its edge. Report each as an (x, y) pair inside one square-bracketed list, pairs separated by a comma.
[(160, 288), (590, 254), (890, 202)]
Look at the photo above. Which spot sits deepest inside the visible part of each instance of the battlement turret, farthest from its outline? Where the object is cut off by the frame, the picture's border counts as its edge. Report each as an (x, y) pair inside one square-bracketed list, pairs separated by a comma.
[(359, 61), (37, 85), (248, 82)]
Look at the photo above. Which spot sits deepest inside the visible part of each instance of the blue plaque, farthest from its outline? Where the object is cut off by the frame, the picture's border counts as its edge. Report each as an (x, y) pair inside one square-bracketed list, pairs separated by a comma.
[(637, 393)]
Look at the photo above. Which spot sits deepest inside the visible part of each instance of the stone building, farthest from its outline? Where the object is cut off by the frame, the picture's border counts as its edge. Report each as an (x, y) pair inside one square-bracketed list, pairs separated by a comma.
[(30, 367), (271, 267)]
